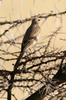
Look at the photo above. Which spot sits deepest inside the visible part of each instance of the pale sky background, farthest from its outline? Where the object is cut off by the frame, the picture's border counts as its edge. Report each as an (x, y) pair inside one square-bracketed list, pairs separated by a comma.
[(21, 9)]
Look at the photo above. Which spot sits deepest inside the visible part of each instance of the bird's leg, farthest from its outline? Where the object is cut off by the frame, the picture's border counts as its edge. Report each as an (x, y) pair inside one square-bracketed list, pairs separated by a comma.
[(31, 54), (36, 54)]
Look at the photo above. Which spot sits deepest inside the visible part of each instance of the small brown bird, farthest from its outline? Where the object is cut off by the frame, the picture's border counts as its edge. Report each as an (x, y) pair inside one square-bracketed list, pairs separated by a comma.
[(31, 35), (30, 38)]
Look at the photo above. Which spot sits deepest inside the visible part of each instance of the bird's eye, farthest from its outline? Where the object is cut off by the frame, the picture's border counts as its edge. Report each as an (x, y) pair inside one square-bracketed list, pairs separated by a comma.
[(38, 19)]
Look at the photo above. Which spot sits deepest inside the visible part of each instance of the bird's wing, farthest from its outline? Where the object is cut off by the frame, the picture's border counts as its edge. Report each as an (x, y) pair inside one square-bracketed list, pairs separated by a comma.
[(27, 34), (26, 37)]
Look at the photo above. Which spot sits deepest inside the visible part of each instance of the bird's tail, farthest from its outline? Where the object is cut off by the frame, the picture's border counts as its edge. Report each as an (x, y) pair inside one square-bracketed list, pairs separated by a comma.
[(18, 59)]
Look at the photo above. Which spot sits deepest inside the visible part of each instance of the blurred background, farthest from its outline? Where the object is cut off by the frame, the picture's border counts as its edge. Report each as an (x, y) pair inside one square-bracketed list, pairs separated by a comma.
[(12, 10)]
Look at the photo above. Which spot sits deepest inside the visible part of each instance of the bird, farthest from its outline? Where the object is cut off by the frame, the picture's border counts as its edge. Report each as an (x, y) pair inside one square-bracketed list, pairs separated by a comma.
[(30, 38)]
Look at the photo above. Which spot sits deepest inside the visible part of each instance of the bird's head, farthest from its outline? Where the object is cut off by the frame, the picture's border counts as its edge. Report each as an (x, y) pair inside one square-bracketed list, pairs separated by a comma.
[(35, 20)]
